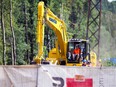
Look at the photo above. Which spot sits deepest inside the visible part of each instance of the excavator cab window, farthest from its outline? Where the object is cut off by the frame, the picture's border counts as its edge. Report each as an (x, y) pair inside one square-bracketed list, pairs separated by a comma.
[(76, 51)]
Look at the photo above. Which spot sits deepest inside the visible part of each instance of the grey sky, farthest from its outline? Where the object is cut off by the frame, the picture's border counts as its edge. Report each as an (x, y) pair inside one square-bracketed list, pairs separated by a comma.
[(111, 0)]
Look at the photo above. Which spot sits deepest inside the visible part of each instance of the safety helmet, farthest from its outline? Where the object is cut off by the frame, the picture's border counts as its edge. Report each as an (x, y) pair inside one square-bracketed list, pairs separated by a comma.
[(84, 60)]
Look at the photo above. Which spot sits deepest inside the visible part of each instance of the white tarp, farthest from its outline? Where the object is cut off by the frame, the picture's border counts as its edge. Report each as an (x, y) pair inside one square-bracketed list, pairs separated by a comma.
[(56, 76)]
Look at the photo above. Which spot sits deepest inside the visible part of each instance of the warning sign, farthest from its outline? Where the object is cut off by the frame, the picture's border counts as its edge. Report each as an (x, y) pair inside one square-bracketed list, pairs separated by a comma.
[(72, 83)]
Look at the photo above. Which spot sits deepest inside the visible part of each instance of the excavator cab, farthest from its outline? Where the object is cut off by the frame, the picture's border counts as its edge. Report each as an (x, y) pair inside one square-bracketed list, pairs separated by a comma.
[(83, 48)]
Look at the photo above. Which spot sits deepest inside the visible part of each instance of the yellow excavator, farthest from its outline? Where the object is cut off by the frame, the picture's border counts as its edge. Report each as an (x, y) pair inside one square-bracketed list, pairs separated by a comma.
[(62, 53)]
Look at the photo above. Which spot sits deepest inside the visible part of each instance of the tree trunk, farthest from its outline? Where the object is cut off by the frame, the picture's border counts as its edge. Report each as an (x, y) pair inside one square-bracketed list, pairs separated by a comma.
[(26, 32), (3, 34), (13, 35), (30, 33), (11, 51)]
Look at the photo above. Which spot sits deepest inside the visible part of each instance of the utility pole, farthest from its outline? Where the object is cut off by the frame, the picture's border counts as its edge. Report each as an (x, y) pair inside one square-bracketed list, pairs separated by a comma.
[(94, 19)]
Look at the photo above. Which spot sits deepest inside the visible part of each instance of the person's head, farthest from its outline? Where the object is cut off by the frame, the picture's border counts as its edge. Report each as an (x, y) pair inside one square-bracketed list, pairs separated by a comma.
[(77, 46)]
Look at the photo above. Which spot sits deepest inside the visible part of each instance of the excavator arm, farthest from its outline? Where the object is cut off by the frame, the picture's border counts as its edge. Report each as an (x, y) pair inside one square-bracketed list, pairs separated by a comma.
[(40, 32)]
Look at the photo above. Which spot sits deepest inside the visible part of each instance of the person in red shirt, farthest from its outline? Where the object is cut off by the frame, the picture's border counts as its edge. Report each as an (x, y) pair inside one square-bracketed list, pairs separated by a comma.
[(77, 52)]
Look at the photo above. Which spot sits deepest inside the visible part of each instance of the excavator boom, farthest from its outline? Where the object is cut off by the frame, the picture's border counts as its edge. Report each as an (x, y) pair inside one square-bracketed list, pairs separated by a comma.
[(59, 28)]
